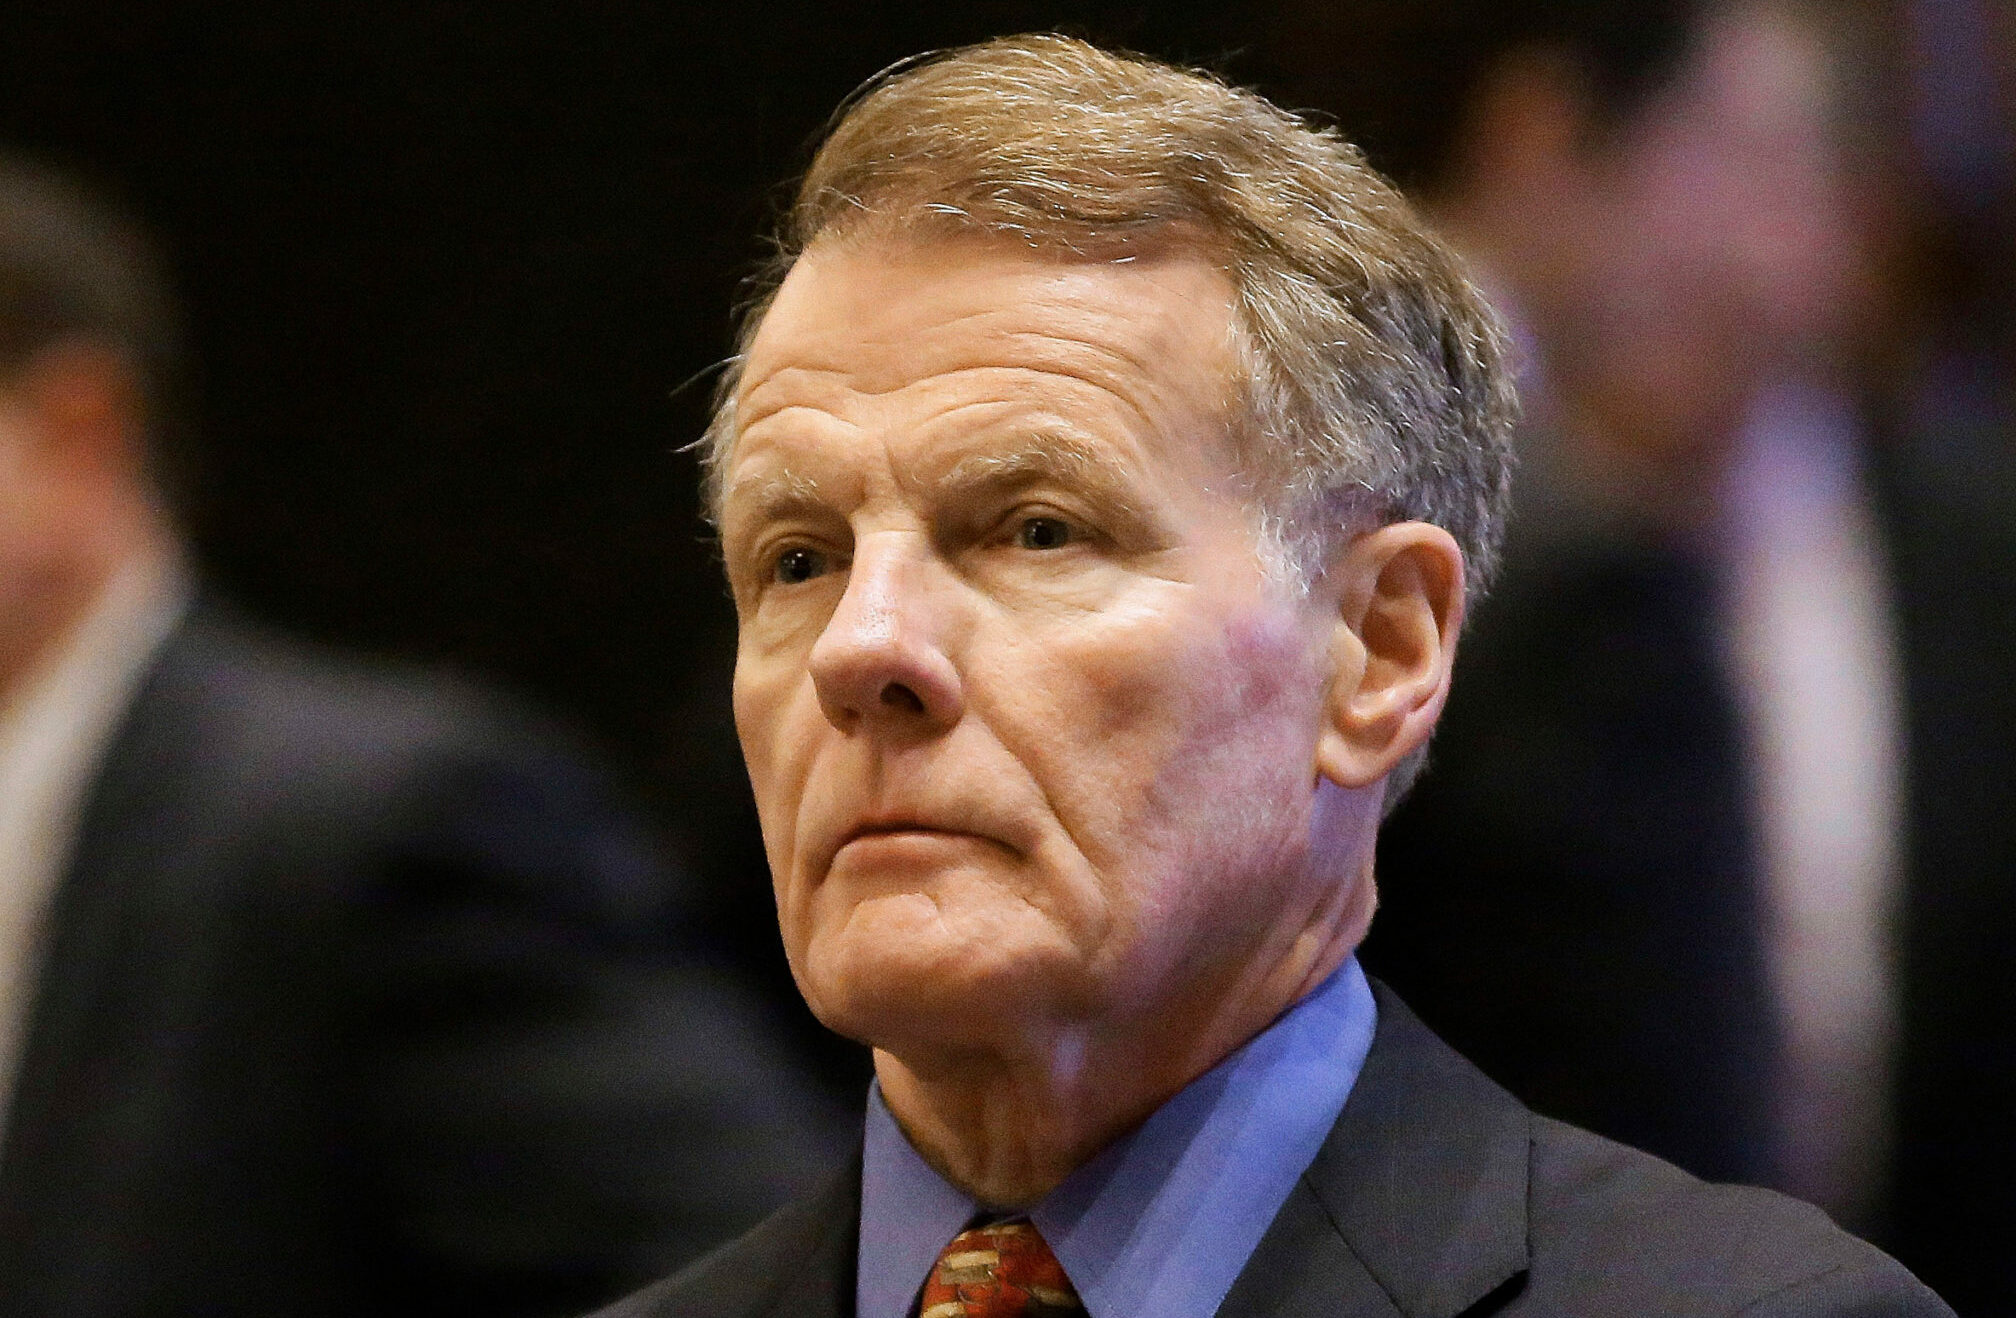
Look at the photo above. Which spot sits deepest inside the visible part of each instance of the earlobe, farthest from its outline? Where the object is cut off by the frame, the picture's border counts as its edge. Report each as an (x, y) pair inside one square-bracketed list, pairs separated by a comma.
[(1398, 592)]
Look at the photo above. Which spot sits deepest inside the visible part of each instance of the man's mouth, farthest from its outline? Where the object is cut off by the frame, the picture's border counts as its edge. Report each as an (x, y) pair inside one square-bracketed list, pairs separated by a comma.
[(895, 827), (895, 830)]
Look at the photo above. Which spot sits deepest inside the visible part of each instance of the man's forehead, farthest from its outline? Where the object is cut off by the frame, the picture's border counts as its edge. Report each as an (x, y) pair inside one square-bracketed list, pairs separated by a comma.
[(980, 359), (882, 313), (772, 481)]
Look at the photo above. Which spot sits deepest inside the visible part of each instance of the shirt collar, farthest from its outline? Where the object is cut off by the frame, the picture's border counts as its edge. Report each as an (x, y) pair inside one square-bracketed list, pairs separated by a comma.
[(53, 727), (53, 731), (1163, 1220)]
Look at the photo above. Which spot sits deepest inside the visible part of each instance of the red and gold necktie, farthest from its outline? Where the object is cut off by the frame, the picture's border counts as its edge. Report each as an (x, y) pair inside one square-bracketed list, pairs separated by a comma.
[(1001, 1271)]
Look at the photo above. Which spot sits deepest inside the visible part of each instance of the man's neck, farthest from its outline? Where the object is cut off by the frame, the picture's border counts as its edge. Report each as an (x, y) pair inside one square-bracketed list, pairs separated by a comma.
[(43, 615), (1007, 1130), (45, 612)]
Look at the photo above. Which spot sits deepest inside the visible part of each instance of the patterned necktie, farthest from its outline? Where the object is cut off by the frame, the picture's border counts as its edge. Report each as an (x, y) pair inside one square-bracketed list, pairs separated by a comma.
[(1000, 1271)]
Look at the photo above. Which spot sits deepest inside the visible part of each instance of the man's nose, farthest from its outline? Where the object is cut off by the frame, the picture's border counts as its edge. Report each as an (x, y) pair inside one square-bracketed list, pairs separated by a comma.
[(880, 660)]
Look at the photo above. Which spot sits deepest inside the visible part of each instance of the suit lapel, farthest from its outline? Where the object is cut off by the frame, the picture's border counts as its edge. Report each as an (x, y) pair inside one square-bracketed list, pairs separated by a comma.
[(821, 1279), (1416, 1203), (798, 1263), (1303, 1268), (1950, 551), (106, 970)]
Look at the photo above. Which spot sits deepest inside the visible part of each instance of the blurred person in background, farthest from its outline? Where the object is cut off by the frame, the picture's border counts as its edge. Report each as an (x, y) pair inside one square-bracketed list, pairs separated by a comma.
[(325, 988), (1717, 849)]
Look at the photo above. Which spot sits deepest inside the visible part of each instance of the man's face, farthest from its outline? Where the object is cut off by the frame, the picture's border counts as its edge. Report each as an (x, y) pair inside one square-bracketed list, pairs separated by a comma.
[(1030, 725), (36, 516), (1719, 238)]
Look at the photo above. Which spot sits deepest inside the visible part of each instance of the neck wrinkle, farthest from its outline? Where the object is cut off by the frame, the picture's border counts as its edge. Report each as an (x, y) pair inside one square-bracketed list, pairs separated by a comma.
[(1008, 1131)]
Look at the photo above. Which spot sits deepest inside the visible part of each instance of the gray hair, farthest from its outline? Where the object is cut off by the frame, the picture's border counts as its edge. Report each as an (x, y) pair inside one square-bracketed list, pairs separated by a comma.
[(1377, 374), (1377, 383)]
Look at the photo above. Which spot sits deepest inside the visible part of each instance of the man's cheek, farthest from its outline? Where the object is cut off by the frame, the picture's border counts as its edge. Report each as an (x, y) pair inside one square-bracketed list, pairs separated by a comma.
[(1122, 681)]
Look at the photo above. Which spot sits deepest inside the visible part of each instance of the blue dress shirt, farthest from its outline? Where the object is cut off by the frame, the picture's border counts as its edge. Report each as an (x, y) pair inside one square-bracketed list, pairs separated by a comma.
[(1161, 1222)]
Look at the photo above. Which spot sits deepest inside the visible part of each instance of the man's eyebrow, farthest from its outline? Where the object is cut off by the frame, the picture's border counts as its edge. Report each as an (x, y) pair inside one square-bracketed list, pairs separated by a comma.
[(1046, 455), (771, 493)]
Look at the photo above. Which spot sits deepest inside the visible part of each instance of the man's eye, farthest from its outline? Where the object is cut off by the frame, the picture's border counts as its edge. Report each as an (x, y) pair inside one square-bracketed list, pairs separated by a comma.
[(1043, 533), (796, 565)]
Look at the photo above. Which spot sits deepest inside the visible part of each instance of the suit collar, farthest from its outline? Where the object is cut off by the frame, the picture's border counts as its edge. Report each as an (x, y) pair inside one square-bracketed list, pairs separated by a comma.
[(119, 945), (797, 1263), (1415, 1205), (1162, 1221), (1416, 1202), (816, 1279), (107, 964)]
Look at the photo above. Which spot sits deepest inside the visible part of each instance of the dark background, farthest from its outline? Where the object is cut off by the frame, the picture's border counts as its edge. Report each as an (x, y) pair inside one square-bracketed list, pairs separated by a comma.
[(446, 269), (456, 275)]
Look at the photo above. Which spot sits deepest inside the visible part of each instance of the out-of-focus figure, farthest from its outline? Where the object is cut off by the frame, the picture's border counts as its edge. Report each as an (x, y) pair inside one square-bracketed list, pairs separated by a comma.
[(1715, 852), (324, 988)]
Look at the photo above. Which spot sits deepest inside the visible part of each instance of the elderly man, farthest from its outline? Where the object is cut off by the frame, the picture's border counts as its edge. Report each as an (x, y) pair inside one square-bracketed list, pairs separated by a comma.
[(1101, 487)]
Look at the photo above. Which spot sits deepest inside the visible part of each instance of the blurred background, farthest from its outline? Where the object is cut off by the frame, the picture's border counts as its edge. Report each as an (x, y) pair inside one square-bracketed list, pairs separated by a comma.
[(456, 275)]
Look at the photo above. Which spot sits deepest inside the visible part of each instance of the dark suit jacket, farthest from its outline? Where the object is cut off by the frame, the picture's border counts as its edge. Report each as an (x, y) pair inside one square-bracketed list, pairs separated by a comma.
[(360, 996), (1436, 1194), (1569, 896)]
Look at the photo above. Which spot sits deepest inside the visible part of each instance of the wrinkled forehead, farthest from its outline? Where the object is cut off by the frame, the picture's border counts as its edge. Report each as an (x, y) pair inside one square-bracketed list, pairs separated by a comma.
[(903, 232), (1151, 336)]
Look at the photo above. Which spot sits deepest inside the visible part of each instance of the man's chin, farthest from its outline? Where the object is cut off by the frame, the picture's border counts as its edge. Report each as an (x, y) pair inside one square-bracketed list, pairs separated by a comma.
[(918, 1001)]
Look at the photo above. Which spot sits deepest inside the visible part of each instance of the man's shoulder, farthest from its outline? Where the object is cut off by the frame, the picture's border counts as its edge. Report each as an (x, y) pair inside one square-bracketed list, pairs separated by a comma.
[(233, 708), (1437, 1192), (1610, 1226), (270, 694), (798, 1261), (247, 749), (1452, 1194)]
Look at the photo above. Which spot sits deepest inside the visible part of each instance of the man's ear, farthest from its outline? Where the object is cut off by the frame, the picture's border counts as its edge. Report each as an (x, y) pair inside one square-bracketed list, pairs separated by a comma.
[(1398, 593)]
